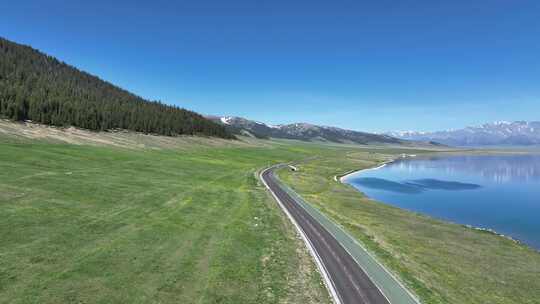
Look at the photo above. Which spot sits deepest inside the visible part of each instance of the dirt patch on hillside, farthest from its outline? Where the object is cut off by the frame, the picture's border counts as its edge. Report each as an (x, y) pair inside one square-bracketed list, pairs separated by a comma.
[(118, 138)]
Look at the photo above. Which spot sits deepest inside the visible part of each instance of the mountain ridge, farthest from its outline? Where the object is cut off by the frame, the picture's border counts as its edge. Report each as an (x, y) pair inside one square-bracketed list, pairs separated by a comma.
[(304, 131), (524, 133)]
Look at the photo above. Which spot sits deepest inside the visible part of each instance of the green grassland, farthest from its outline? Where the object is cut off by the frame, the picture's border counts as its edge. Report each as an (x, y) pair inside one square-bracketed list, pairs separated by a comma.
[(441, 262), (130, 218), (102, 224)]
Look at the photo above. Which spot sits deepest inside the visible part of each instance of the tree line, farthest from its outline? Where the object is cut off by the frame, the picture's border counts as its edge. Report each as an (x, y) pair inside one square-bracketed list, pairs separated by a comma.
[(38, 87)]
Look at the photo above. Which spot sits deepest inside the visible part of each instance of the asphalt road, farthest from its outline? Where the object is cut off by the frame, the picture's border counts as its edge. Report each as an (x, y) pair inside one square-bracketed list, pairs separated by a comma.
[(349, 281)]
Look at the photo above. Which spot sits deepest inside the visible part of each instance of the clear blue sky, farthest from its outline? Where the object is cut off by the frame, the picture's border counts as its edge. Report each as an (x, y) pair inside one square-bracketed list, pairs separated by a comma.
[(365, 65)]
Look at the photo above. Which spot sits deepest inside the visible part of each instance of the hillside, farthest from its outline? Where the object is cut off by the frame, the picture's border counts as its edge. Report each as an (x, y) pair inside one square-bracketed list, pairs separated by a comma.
[(29, 132), (303, 131), (520, 133), (38, 87)]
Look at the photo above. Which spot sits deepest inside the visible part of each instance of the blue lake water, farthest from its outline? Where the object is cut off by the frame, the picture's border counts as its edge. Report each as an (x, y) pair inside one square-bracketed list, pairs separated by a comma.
[(499, 192)]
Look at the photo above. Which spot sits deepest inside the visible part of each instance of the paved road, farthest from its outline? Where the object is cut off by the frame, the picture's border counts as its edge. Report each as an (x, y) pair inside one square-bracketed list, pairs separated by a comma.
[(349, 282)]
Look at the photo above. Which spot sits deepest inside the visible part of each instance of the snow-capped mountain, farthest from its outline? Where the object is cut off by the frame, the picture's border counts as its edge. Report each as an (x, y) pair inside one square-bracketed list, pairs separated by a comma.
[(497, 133), (302, 131)]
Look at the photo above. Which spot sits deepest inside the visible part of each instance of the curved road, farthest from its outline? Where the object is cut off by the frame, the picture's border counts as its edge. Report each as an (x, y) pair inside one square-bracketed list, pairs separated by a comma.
[(349, 283)]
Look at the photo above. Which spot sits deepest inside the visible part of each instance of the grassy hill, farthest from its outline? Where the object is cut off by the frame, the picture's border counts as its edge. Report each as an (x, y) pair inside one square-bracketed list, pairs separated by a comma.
[(37, 87)]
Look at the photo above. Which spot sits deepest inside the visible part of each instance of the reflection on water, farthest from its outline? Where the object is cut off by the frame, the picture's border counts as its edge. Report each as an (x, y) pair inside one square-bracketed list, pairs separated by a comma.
[(414, 186), (496, 192), (497, 168), (384, 184)]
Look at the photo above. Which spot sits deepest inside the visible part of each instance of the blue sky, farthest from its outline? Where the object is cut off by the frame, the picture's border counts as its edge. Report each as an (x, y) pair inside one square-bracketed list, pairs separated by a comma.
[(365, 65)]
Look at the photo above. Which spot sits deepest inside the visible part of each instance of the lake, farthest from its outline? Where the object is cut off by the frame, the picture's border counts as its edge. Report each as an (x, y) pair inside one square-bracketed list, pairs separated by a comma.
[(498, 192)]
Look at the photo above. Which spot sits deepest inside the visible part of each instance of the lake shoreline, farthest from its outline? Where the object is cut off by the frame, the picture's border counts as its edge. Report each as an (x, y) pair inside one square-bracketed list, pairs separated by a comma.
[(341, 178)]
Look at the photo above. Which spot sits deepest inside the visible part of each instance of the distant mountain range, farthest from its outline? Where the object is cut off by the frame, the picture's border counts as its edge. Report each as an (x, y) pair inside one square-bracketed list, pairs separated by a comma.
[(517, 133), (303, 131)]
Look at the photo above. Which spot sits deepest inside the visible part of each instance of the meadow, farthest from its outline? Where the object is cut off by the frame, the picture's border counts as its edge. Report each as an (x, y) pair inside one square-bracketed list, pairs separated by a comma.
[(102, 224)]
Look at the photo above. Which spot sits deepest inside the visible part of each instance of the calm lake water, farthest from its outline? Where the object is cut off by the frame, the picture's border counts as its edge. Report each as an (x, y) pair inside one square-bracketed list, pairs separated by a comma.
[(496, 192)]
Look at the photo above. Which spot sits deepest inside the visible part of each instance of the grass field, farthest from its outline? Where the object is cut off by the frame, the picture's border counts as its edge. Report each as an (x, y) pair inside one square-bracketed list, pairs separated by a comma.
[(131, 218), (90, 224), (439, 261)]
